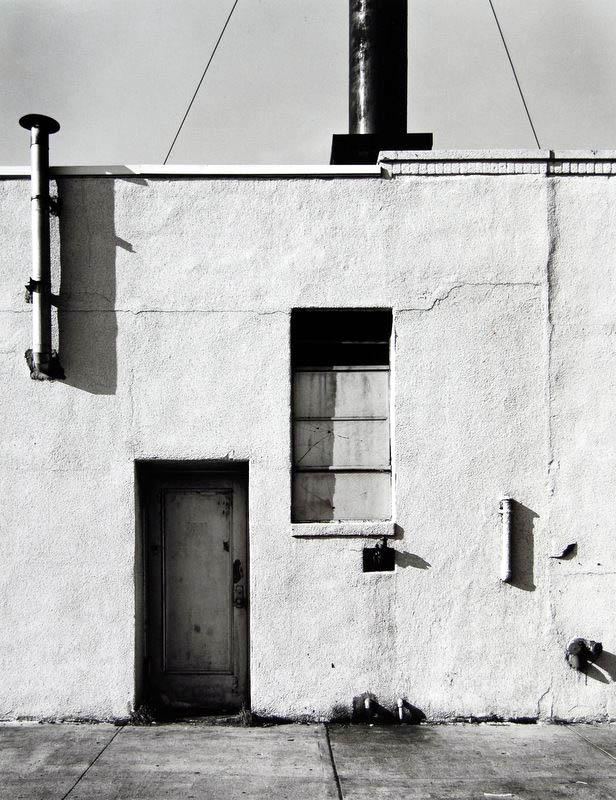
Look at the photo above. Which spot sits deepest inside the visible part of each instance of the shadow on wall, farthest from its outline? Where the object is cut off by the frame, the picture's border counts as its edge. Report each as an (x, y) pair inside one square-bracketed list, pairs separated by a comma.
[(404, 559), (523, 549), (603, 669), (87, 320)]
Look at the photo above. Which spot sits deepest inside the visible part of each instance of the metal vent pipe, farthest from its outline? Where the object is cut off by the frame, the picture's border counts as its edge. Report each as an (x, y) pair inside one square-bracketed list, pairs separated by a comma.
[(506, 512), (44, 361), (378, 66)]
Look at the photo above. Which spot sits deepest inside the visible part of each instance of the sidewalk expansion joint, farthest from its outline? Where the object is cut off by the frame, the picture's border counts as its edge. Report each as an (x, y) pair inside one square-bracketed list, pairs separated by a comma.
[(332, 762), (588, 741), (86, 770)]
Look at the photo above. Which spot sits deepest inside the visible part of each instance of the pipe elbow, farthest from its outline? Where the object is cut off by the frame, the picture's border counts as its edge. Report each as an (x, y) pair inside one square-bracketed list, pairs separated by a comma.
[(581, 652)]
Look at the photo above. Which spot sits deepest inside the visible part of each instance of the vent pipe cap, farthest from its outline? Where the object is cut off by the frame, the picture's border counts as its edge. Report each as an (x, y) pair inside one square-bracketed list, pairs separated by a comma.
[(47, 124)]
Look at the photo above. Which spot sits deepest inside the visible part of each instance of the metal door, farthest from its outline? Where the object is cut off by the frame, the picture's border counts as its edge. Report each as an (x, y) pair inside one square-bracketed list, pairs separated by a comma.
[(196, 580)]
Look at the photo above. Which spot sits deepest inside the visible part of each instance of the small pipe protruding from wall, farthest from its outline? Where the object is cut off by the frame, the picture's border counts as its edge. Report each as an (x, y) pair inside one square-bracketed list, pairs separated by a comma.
[(581, 652), (42, 359), (506, 512)]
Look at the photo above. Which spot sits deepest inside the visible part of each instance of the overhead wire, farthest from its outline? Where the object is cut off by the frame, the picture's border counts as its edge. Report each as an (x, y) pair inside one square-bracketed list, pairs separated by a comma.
[(500, 30), (207, 66)]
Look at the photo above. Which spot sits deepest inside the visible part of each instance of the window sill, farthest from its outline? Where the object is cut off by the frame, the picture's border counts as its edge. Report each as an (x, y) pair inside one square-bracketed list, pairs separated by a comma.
[(358, 529)]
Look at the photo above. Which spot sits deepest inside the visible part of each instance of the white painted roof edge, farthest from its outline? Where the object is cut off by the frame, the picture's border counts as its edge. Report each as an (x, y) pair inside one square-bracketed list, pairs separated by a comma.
[(205, 170), (313, 170)]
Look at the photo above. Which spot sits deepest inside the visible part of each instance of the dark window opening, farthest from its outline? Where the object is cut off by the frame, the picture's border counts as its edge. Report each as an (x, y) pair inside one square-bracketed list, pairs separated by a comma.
[(341, 439)]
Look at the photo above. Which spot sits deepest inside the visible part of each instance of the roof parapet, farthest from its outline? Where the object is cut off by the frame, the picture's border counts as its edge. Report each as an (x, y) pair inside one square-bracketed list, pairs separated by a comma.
[(498, 162)]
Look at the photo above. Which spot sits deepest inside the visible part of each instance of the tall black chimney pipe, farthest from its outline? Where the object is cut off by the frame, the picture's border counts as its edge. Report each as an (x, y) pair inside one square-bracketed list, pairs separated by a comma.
[(378, 68)]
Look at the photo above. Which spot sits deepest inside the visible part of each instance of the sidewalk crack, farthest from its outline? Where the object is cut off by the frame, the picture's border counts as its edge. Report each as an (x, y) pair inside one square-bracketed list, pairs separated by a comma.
[(332, 762), (592, 744), (86, 770)]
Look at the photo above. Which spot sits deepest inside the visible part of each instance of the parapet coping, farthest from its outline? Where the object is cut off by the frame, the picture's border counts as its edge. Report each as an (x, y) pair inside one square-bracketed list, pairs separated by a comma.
[(496, 155), (434, 163), (391, 163), (205, 170)]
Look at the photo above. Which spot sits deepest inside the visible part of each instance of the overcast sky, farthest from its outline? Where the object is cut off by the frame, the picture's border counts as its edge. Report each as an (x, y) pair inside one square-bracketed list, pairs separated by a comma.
[(118, 75)]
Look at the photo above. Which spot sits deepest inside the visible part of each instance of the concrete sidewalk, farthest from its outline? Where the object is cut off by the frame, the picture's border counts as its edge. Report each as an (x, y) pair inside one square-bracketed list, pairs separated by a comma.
[(55, 762)]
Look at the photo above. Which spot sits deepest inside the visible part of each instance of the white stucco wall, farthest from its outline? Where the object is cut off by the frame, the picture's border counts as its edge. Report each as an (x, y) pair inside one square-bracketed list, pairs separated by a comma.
[(175, 303)]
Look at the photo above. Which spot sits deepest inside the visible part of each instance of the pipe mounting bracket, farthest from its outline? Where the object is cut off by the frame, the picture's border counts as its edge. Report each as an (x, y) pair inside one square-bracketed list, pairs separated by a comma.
[(53, 372), (32, 286)]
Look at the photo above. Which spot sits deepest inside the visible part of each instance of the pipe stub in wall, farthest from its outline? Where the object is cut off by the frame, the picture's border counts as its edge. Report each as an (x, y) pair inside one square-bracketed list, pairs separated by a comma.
[(506, 512)]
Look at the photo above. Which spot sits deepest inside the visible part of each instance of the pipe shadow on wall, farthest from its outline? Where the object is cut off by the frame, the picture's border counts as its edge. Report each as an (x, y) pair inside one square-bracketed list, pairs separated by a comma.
[(523, 549), (87, 319), (603, 669)]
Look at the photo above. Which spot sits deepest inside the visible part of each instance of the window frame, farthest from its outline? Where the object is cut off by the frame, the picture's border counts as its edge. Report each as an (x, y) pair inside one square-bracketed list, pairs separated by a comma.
[(370, 525)]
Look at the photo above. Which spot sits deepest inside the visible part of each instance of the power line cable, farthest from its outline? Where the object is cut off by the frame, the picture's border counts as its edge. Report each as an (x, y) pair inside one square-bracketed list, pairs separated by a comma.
[(514, 74), (207, 66)]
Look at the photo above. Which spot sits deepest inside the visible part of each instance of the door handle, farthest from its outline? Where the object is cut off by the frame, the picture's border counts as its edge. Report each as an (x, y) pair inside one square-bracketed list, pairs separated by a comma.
[(239, 598)]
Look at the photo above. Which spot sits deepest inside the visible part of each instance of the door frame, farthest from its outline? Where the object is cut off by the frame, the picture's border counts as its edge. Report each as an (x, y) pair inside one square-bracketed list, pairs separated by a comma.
[(147, 474)]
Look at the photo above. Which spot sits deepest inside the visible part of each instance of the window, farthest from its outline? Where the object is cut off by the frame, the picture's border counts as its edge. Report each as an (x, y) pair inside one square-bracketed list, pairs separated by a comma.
[(341, 449)]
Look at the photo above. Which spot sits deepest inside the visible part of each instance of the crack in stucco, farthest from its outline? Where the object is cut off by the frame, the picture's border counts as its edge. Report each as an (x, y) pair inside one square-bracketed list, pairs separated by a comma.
[(464, 285), (88, 228), (551, 241), (43, 468), (435, 302), (199, 311), (539, 701), (154, 311), (131, 402), (82, 294), (579, 573)]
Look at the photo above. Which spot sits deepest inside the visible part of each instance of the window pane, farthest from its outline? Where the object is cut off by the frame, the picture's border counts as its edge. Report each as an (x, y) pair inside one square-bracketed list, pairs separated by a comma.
[(341, 394), (326, 496), (333, 354), (347, 337), (342, 325), (355, 443)]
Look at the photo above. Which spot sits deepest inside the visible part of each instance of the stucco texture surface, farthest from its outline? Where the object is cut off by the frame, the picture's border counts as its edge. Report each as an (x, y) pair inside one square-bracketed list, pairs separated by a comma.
[(173, 327)]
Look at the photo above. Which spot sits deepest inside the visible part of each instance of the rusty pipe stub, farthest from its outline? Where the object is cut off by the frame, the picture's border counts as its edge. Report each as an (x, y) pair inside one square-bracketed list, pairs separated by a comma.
[(581, 652)]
